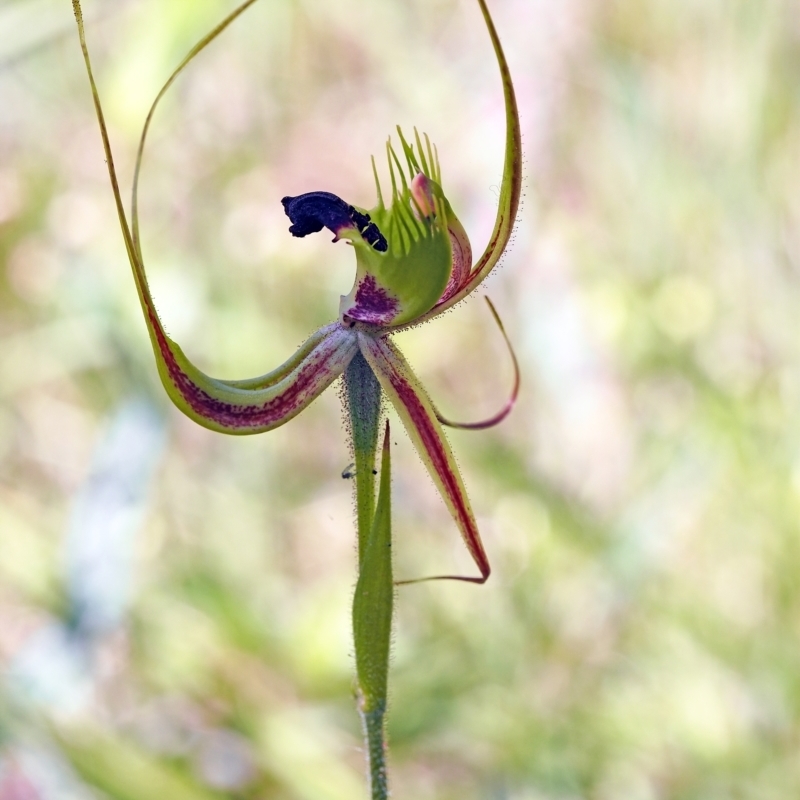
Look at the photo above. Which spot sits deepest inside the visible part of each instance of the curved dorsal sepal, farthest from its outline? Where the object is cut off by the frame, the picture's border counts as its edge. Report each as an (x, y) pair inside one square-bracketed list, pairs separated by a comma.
[(238, 407)]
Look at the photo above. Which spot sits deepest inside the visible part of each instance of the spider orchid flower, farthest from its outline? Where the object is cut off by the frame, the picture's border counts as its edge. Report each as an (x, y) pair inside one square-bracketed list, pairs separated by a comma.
[(413, 262)]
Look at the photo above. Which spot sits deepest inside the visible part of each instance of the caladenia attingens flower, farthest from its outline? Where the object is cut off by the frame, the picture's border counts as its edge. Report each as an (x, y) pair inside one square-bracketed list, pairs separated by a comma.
[(413, 262)]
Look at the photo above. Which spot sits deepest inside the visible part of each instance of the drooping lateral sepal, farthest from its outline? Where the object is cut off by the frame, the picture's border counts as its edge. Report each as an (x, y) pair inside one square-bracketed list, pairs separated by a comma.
[(258, 404), (419, 418)]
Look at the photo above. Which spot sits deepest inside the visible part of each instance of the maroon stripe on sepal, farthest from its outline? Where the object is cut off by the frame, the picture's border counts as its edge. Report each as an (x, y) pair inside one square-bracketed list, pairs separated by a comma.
[(295, 391), (420, 415)]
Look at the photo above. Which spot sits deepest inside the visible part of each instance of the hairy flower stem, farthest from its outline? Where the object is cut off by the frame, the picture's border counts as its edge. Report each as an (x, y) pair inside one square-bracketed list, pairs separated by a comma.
[(373, 600), (363, 398)]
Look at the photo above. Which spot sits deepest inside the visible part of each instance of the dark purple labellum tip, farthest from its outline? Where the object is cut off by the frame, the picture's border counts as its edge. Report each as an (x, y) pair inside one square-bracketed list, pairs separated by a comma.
[(313, 211)]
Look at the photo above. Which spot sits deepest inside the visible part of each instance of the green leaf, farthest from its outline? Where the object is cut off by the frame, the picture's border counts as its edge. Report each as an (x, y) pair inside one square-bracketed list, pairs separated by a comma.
[(374, 598)]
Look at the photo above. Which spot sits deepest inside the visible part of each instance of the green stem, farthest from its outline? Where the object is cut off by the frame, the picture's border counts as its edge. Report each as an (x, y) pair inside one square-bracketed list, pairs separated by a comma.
[(373, 599), (363, 398), (373, 723)]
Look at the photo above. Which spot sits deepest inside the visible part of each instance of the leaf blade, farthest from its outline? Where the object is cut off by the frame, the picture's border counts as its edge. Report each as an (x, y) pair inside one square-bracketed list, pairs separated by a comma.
[(374, 596)]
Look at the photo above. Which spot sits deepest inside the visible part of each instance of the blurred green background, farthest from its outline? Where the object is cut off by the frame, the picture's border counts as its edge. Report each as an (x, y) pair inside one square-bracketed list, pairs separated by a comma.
[(639, 636)]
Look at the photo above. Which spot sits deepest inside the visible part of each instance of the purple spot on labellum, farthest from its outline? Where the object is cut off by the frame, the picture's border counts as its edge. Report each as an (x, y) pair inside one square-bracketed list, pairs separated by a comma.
[(374, 304)]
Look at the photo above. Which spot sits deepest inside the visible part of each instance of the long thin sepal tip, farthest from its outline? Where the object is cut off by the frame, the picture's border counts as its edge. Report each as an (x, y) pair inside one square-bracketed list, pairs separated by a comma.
[(497, 418)]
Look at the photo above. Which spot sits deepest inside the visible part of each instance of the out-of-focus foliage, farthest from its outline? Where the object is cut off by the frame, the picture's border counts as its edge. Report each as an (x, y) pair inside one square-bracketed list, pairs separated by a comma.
[(640, 636)]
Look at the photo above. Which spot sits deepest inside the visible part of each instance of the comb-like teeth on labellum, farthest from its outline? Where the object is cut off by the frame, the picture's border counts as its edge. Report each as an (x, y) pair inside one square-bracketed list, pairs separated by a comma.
[(409, 255), (422, 192)]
